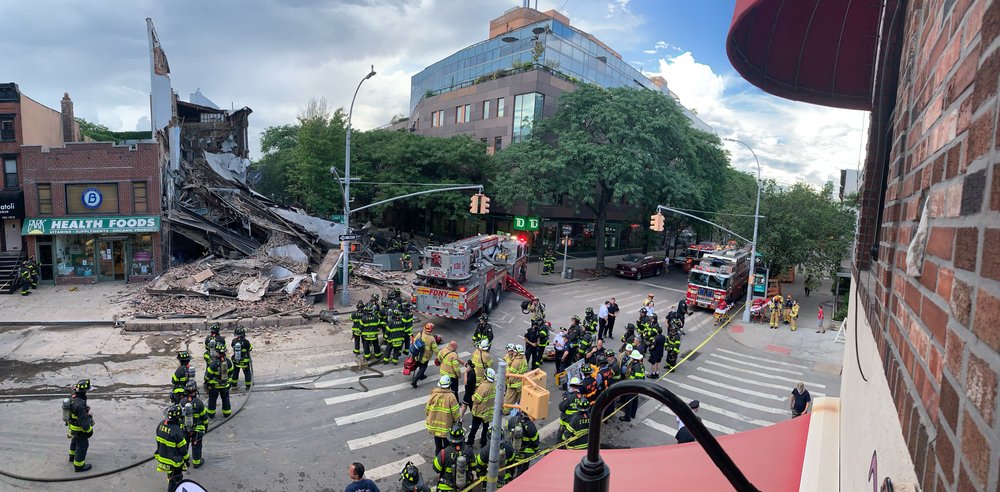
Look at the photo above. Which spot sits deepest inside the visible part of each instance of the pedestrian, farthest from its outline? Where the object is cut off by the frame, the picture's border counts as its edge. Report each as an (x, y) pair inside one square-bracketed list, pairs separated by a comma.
[(219, 378), (81, 425), (359, 484), (241, 358), (442, 413), (423, 349), (820, 326), (172, 448), (682, 308), (683, 433), (602, 320), (656, 354), (801, 402), (482, 407), (451, 365), (559, 344), (612, 315)]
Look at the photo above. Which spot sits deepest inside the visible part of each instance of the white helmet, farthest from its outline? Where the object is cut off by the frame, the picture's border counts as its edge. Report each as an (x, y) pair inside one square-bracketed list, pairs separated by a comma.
[(628, 348), (635, 355), (520, 349), (575, 381), (490, 374), (510, 347), (484, 344), (444, 382)]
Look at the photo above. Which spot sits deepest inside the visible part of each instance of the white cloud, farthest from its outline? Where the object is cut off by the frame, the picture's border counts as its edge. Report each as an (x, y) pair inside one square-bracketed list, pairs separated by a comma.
[(649, 52), (794, 141)]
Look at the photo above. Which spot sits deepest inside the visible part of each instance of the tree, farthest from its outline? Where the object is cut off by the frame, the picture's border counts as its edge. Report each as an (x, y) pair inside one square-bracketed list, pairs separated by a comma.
[(277, 144), (610, 147)]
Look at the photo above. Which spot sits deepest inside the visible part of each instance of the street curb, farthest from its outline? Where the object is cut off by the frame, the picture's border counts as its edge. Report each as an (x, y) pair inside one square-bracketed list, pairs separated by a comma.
[(132, 325)]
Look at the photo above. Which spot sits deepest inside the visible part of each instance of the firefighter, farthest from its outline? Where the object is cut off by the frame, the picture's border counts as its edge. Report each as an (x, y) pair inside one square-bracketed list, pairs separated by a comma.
[(517, 365), (199, 422), (531, 338), (634, 370), (24, 279), (606, 375), (536, 309), (482, 406), (410, 479), (395, 333), (241, 358), (549, 262), (527, 446), (484, 331), (180, 377), (172, 448), (455, 462), (451, 365), (787, 312), (369, 331), (672, 347), (543, 340), (33, 268), (572, 400), (81, 425), (590, 320), (642, 324), (574, 432), (405, 261), (423, 350), (218, 378), (356, 326), (508, 456), (776, 304), (794, 314), (629, 335), (212, 340), (407, 317), (479, 362), (442, 413)]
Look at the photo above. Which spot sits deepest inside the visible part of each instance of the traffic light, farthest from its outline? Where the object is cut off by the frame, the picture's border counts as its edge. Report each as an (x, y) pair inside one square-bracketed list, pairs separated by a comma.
[(484, 204), (474, 204), (656, 222)]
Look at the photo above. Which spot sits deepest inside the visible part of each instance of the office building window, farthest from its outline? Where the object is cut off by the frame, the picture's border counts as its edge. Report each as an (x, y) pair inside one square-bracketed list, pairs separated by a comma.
[(527, 108), (44, 199), (9, 172), (486, 109), (7, 128), (437, 119), (496, 143), (500, 111), (139, 201), (463, 114)]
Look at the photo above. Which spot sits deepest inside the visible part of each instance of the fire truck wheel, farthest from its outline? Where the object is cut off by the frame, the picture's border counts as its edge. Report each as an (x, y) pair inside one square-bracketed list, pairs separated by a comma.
[(488, 306), (496, 297)]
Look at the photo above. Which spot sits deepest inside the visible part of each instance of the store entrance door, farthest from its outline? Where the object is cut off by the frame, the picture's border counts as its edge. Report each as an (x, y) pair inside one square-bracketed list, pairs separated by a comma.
[(46, 272), (111, 258)]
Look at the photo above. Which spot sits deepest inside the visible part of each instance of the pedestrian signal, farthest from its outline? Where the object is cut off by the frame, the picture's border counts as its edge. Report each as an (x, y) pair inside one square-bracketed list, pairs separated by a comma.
[(474, 204), (656, 222)]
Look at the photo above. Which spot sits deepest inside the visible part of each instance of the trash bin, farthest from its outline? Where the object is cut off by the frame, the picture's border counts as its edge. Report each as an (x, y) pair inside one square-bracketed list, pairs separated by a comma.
[(568, 274)]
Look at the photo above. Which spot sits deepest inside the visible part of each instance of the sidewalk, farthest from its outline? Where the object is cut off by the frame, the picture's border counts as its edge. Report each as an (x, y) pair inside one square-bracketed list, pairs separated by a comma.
[(77, 303), (804, 343)]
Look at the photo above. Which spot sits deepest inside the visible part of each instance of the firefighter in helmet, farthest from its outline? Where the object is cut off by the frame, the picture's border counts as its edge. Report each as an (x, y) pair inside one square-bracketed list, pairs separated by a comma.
[(211, 341), (454, 463), (241, 357), (81, 425), (172, 447), (181, 376), (198, 424), (356, 326)]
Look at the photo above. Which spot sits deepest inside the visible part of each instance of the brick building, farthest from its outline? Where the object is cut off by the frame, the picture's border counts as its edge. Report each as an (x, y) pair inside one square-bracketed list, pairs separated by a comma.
[(93, 211), (921, 365)]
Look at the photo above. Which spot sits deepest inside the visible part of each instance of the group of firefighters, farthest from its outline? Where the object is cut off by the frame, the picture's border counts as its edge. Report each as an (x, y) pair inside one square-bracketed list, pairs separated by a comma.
[(26, 277), (179, 436), (392, 318), (784, 309)]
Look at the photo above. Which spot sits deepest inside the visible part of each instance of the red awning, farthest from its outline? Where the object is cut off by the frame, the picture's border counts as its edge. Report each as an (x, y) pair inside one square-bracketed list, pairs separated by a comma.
[(815, 51), (770, 457)]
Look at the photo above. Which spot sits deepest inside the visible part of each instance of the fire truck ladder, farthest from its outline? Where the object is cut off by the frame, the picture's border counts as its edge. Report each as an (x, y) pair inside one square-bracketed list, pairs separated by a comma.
[(517, 288)]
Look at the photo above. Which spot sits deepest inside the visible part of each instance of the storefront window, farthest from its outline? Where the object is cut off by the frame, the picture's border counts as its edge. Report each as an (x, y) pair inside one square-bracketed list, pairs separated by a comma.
[(142, 255), (75, 256)]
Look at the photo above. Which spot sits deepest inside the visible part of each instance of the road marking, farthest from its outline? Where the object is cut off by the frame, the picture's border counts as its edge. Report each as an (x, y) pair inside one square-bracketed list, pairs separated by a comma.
[(289, 383), (378, 412), (354, 379), (387, 436), (734, 388), (730, 359), (746, 404), (664, 288), (762, 359), (751, 381), (769, 376), (733, 415), (368, 394), (330, 368), (660, 427), (711, 425), (390, 469)]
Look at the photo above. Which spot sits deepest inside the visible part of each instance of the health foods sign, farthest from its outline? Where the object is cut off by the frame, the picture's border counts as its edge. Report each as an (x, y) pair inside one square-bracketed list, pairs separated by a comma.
[(91, 225)]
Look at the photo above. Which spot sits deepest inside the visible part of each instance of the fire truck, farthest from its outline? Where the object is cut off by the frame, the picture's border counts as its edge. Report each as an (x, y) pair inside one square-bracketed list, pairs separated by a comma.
[(459, 279), (720, 275)]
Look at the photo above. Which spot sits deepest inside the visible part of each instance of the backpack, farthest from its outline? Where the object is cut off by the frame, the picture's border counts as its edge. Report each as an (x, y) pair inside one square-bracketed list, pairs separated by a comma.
[(417, 348)]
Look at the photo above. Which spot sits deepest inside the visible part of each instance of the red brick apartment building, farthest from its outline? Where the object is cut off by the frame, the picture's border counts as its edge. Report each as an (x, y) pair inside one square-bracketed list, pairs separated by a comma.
[(919, 399)]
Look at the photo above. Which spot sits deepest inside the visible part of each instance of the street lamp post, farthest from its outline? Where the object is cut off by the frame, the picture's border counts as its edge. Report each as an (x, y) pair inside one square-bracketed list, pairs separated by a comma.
[(753, 245), (345, 298)]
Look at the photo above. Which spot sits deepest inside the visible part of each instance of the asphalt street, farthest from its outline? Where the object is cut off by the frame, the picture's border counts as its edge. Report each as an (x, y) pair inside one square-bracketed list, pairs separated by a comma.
[(302, 434)]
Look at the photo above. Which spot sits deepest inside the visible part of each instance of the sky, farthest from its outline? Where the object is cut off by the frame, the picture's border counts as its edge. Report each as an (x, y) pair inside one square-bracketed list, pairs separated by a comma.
[(275, 55)]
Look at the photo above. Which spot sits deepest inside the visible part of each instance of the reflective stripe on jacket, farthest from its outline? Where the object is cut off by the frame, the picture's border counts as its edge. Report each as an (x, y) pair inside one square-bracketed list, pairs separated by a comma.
[(442, 412)]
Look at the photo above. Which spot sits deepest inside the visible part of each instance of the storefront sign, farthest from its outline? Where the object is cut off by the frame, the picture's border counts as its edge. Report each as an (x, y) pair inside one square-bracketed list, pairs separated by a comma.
[(11, 205), (92, 198), (91, 225), (526, 223)]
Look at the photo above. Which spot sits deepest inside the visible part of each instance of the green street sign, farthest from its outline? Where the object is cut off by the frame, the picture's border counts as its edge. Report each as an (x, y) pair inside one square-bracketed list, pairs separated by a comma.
[(533, 223), (337, 218), (520, 223), (91, 225)]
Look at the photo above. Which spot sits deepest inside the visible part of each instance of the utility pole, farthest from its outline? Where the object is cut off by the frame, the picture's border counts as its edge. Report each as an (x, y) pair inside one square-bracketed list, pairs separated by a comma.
[(493, 469), (345, 245), (566, 230), (753, 247)]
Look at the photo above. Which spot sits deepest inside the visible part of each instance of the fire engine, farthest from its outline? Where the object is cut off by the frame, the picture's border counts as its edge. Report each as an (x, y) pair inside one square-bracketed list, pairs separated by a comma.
[(460, 279), (718, 276)]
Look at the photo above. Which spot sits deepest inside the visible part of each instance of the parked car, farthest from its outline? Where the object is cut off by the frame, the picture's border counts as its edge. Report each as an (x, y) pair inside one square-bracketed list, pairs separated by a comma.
[(636, 266)]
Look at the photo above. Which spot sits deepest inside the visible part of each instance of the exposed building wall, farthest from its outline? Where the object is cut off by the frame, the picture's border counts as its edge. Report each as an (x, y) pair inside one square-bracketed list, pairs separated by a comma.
[(40, 125), (938, 332)]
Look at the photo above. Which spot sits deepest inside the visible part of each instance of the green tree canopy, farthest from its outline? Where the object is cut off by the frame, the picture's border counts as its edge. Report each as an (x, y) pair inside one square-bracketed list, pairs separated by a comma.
[(612, 147)]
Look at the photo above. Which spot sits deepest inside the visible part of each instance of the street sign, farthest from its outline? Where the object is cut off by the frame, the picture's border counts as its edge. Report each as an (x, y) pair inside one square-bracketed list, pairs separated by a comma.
[(337, 218), (567, 230), (348, 237)]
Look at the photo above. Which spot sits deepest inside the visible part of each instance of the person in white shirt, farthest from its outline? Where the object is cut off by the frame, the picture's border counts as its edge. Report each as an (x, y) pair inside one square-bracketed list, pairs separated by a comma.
[(602, 319)]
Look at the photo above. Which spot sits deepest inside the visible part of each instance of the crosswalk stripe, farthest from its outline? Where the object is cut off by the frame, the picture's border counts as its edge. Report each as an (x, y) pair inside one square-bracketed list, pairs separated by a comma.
[(709, 424), (368, 394), (768, 376), (742, 391), (660, 427), (390, 469), (287, 383), (746, 404), (664, 288), (751, 381), (751, 364), (353, 379), (727, 413), (334, 367), (378, 412), (387, 436), (762, 359)]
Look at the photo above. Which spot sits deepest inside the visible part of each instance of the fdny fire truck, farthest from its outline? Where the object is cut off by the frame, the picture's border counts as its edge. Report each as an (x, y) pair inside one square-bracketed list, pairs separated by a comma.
[(460, 279), (718, 276)]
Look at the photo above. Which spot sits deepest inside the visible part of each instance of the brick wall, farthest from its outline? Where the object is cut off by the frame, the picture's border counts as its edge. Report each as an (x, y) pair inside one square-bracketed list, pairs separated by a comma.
[(939, 333)]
